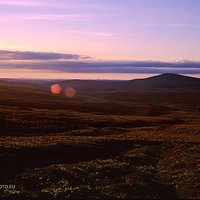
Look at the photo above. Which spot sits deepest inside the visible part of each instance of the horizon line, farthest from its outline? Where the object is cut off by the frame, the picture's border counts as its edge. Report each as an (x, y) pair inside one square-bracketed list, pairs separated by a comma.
[(99, 79)]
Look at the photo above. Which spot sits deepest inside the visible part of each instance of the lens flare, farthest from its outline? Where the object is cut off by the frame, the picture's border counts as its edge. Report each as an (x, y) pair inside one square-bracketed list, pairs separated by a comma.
[(56, 89), (70, 92)]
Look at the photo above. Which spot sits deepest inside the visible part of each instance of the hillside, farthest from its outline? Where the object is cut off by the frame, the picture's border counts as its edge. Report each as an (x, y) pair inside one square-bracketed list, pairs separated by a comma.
[(112, 139), (167, 80), (165, 88)]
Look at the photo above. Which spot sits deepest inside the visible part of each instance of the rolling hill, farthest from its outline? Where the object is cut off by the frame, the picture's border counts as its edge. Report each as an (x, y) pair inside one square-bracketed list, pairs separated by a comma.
[(130, 139), (151, 89), (167, 81)]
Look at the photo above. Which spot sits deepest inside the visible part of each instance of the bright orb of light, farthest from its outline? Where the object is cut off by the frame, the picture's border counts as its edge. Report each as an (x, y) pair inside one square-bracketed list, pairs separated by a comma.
[(70, 92), (56, 89)]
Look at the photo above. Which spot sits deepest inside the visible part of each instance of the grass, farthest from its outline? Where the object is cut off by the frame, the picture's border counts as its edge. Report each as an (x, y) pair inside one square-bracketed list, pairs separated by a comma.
[(133, 144)]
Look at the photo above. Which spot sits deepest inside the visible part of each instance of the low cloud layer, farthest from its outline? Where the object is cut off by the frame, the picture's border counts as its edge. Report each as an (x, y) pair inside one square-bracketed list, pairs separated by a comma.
[(40, 56), (73, 63)]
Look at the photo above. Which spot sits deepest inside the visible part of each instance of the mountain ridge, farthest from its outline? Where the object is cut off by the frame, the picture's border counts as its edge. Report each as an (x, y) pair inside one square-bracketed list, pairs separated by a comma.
[(167, 80)]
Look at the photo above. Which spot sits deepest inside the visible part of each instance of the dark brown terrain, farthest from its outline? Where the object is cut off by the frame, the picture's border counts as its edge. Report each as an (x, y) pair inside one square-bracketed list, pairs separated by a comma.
[(113, 139)]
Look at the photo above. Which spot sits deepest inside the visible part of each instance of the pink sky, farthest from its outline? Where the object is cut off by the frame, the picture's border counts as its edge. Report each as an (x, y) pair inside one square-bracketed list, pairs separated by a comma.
[(129, 30), (106, 30)]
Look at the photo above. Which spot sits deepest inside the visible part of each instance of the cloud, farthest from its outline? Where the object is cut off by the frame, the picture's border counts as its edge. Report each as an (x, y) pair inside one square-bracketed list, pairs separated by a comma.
[(52, 4), (19, 3), (162, 25), (32, 17), (95, 33), (54, 17), (75, 63), (98, 34), (37, 56), (104, 67)]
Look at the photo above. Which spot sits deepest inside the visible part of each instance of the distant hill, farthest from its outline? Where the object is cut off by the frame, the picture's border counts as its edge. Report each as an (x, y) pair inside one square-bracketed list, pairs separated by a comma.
[(90, 84), (167, 80), (16, 89), (162, 89), (163, 81)]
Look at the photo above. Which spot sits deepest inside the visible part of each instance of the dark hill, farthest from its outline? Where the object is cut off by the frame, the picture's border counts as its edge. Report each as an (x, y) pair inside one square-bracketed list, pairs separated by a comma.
[(167, 81), (164, 81), (161, 81)]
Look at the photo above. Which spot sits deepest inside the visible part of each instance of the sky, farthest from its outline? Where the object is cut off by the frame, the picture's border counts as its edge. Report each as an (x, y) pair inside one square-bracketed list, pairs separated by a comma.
[(90, 36)]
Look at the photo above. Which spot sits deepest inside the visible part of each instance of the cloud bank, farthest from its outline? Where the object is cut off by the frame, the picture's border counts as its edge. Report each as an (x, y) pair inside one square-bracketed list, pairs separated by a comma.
[(74, 63), (40, 56)]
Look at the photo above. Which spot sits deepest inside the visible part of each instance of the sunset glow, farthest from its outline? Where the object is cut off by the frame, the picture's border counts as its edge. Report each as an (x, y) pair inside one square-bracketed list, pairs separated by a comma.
[(96, 31)]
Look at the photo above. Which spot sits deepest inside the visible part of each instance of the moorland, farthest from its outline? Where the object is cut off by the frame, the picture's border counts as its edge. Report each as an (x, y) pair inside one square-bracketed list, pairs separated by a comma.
[(101, 139)]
